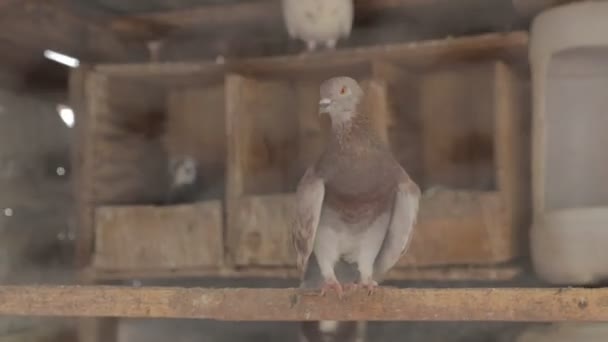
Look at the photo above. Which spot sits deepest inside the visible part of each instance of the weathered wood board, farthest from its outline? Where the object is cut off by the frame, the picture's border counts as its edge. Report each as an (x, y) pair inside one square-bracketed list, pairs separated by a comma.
[(453, 111), (159, 237)]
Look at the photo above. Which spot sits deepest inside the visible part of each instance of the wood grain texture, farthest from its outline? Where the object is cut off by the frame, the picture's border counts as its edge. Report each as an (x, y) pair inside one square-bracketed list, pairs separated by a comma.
[(512, 107), (416, 55), (263, 237), (458, 133), (92, 102), (439, 274), (387, 304), (152, 237), (79, 94), (122, 119), (470, 140), (454, 228)]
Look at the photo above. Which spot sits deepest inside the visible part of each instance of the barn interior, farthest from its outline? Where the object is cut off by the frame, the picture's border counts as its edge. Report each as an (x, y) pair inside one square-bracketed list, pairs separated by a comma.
[(174, 134)]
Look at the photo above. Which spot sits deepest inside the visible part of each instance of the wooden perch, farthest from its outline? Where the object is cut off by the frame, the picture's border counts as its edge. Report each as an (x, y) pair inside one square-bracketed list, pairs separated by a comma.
[(387, 304)]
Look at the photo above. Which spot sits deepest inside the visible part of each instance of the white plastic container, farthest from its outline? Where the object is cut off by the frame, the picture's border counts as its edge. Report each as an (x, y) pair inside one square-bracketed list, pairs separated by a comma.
[(569, 61)]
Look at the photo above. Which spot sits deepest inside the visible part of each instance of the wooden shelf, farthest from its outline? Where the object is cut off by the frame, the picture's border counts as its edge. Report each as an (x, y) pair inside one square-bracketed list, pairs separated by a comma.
[(444, 274), (238, 121), (386, 304)]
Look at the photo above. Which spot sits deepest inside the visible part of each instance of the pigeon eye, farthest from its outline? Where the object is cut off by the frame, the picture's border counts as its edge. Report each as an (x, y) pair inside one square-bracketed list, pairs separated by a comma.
[(343, 90)]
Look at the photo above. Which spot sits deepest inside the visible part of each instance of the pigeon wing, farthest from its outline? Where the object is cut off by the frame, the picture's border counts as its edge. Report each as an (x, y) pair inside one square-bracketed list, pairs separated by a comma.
[(309, 201), (403, 219)]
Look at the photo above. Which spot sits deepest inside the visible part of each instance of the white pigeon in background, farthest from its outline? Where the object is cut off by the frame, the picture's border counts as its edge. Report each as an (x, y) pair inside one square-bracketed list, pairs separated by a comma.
[(318, 21), (184, 179)]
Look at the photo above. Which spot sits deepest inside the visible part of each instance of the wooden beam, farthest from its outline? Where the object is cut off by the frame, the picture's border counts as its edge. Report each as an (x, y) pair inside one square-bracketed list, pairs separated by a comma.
[(443, 274), (48, 24), (206, 16), (250, 12), (256, 28), (268, 13), (238, 304)]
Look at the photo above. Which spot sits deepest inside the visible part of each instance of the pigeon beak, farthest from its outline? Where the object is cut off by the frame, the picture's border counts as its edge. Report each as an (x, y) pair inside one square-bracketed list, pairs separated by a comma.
[(324, 105)]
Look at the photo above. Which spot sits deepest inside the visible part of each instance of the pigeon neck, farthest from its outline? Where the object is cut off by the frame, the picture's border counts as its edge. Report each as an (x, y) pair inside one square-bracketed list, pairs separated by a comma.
[(353, 128)]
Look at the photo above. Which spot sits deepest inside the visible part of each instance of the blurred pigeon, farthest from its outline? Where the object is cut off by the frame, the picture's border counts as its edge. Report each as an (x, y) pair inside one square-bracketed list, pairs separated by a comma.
[(355, 206), (185, 181), (188, 185), (318, 21)]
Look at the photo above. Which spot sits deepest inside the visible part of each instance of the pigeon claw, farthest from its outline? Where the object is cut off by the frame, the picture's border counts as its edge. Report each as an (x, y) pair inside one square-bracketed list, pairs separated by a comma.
[(332, 285), (370, 286)]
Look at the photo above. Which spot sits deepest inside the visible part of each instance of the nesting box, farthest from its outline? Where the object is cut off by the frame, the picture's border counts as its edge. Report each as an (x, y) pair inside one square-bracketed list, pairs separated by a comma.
[(460, 126), (133, 122), (454, 113)]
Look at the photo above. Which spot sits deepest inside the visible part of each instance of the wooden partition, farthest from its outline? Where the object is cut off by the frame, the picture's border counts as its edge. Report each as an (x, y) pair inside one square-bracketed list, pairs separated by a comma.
[(454, 112)]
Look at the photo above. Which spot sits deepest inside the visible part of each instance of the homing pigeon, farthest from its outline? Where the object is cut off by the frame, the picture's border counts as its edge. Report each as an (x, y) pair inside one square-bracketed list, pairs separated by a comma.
[(355, 206)]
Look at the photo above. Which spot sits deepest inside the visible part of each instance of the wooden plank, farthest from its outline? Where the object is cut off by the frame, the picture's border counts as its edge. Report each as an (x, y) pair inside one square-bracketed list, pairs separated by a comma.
[(313, 129), (375, 106), (87, 95), (457, 126), (263, 234), (153, 237), (512, 149), (213, 16), (238, 304), (441, 274), (235, 154), (195, 33), (454, 228), (81, 91), (262, 158), (404, 117), (419, 54), (239, 13)]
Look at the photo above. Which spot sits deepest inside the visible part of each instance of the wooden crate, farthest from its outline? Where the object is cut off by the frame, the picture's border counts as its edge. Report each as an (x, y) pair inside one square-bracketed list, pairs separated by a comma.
[(464, 126), (454, 112), (131, 119)]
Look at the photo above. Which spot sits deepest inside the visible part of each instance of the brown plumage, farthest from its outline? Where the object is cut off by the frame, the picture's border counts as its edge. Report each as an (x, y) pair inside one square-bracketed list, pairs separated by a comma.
[(355, 206)]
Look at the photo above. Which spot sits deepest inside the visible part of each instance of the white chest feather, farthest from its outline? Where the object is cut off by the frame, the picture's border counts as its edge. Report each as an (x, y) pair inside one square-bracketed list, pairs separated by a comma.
[(351, 241)]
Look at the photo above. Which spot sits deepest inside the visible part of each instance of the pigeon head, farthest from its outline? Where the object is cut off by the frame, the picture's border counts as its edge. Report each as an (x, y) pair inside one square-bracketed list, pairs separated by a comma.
[(339, 98)]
